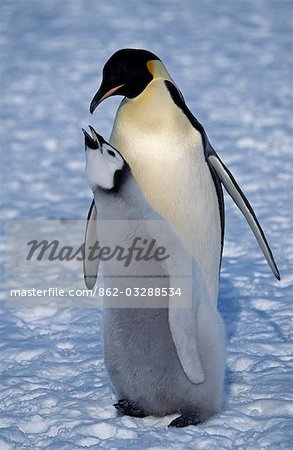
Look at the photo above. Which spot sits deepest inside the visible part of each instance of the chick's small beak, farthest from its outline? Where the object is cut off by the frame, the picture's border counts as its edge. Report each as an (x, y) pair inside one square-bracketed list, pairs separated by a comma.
[(101, 95), (91, 142), (87, 139)]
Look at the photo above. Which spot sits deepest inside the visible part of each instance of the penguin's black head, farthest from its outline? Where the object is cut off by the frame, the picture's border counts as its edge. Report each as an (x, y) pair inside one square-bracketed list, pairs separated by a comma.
[(125, 73)]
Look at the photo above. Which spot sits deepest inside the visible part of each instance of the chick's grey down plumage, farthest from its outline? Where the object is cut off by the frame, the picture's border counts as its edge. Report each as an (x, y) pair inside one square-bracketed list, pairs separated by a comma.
[(144, 362)]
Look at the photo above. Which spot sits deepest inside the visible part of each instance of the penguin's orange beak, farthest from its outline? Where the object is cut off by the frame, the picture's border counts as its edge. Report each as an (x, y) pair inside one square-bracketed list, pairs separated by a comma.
[(103, 93)]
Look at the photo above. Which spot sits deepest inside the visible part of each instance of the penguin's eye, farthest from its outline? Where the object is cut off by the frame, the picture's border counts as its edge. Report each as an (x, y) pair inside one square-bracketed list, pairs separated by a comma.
[(123, 72), (113, 157)]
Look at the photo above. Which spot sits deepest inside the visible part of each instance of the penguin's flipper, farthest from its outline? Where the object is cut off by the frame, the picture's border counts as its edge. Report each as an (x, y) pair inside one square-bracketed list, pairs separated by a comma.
[(183, 327), (90, 268), (243, 204)]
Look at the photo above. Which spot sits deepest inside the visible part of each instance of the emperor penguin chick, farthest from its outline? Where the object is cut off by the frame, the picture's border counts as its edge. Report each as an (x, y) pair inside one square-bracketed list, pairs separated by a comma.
[(172, 159), (165, 358)]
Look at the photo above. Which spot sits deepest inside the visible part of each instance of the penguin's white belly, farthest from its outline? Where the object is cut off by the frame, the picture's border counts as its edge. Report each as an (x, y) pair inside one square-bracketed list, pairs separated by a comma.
[(174, 177)]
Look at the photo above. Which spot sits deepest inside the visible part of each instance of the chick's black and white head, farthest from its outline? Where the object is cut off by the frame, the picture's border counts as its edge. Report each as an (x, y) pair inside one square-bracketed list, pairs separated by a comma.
[(105, 166), (126, 73)]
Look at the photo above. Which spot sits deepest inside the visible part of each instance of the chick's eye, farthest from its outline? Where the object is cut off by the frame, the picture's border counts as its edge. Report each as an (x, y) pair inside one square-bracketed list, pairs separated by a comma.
[(111, 153)]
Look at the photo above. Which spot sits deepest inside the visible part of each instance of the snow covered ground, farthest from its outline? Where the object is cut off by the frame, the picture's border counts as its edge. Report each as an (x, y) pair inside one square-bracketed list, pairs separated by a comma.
[(233, 62)]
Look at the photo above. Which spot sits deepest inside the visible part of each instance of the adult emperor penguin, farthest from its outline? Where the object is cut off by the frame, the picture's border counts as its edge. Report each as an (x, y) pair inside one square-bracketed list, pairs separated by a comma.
[(172, 159), (161, 360)]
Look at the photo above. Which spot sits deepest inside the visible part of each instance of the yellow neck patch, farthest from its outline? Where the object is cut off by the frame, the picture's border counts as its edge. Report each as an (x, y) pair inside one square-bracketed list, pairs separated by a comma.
[(158, 70)]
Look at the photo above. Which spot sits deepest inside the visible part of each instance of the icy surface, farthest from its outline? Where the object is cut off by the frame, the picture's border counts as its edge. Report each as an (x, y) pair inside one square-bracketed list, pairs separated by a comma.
[(231, 60)]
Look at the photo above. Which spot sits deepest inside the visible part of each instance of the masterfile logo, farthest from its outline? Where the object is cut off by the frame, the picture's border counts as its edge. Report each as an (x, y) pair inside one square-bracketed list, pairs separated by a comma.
[(136, 268), (140, 249)]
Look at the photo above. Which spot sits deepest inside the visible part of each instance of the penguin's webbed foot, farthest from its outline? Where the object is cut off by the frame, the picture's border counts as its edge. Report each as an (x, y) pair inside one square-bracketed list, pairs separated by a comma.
[(184, 420), (128, 408)]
